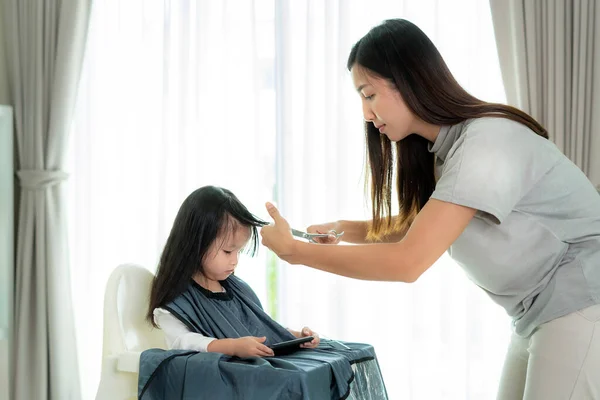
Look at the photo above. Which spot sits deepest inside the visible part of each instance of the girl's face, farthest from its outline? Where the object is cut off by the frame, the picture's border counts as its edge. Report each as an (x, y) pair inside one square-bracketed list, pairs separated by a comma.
[(383, 106), (222, 257)]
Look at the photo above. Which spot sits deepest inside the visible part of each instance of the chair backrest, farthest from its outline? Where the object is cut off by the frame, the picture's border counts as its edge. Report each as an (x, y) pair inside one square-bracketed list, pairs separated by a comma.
[(125, 307)]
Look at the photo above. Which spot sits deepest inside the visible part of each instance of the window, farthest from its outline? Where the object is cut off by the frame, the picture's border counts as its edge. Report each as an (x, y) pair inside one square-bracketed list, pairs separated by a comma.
[(254, 96)]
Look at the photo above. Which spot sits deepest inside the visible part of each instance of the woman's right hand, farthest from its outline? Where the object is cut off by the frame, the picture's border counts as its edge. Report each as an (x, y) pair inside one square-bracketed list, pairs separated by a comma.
[(250, 346), (330, 227)]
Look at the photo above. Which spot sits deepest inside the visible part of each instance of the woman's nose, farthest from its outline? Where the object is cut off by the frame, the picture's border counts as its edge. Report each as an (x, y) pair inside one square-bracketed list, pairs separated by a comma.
[(368, 113)]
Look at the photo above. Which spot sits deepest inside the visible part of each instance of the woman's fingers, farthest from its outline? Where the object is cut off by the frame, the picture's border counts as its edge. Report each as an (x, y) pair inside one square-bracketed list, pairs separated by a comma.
[(274, 213)]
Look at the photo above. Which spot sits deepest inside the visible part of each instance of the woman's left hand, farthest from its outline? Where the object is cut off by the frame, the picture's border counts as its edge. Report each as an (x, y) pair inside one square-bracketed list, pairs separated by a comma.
[(278, 236), (306, 331)]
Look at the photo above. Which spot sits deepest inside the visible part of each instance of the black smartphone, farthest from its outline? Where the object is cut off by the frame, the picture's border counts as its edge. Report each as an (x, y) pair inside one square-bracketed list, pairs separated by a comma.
[(289, 346)]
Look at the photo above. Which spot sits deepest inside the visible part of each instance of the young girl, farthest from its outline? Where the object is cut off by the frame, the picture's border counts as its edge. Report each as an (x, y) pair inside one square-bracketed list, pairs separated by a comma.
[(207, 314), (211, 229)]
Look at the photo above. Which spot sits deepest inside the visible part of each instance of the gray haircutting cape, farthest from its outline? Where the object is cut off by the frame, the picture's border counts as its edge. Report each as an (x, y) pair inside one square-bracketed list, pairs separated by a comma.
[(327, 372)]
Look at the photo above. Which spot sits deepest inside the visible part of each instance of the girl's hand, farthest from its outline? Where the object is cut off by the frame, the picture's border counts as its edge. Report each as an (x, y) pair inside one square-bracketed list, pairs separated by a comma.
[(306, 331), (278, 237), (330, 227), (250, 346)]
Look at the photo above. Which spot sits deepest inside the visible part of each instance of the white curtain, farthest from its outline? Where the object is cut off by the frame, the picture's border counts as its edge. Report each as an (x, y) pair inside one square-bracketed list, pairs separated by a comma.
[(44, 51), (182, 93), (175, 95), (550, 59)]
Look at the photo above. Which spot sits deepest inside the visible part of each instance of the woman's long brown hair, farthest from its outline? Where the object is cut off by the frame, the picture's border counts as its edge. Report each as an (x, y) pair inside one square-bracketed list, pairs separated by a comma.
[(401, 53)]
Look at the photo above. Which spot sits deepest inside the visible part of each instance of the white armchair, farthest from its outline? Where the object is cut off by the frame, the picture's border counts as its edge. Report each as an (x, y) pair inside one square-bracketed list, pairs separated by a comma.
[(126, 332)]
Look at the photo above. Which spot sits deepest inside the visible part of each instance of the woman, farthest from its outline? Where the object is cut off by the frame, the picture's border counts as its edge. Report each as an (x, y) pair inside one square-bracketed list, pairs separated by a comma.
[(481, 181)]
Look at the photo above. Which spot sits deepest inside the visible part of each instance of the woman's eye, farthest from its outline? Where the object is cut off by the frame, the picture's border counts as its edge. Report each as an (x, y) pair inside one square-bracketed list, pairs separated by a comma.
[(368, 97)]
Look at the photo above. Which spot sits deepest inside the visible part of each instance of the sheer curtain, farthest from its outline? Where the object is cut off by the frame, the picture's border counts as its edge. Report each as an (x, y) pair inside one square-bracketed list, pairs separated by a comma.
[(550, 54), (177, 94), (174, 95), (440, 338)]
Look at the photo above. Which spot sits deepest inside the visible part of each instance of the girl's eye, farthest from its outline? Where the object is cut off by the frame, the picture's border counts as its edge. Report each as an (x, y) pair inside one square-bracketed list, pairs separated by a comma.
[(227, 252)]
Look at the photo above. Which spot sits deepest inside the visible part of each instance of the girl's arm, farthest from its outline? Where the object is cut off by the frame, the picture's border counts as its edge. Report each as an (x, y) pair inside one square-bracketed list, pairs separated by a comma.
[(434, 229), (178, 336)]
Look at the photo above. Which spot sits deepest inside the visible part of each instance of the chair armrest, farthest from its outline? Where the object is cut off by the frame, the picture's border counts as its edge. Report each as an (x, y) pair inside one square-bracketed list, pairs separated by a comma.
[(129, 361)]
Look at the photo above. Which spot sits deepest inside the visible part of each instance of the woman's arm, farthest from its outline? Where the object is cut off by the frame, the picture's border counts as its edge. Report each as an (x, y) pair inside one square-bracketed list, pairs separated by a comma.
[(434, 229), (355, 232)]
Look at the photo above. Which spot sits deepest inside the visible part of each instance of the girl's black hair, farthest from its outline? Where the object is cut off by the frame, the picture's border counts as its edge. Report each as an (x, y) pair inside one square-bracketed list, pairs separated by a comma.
[(204, 215)]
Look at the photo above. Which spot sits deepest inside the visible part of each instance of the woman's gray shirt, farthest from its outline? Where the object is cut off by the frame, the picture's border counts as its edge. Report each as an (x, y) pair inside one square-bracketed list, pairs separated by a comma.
[(534, 244)]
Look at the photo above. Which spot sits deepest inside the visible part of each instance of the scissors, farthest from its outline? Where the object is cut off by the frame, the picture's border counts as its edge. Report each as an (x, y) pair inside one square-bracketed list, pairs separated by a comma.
[(311, 236)]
